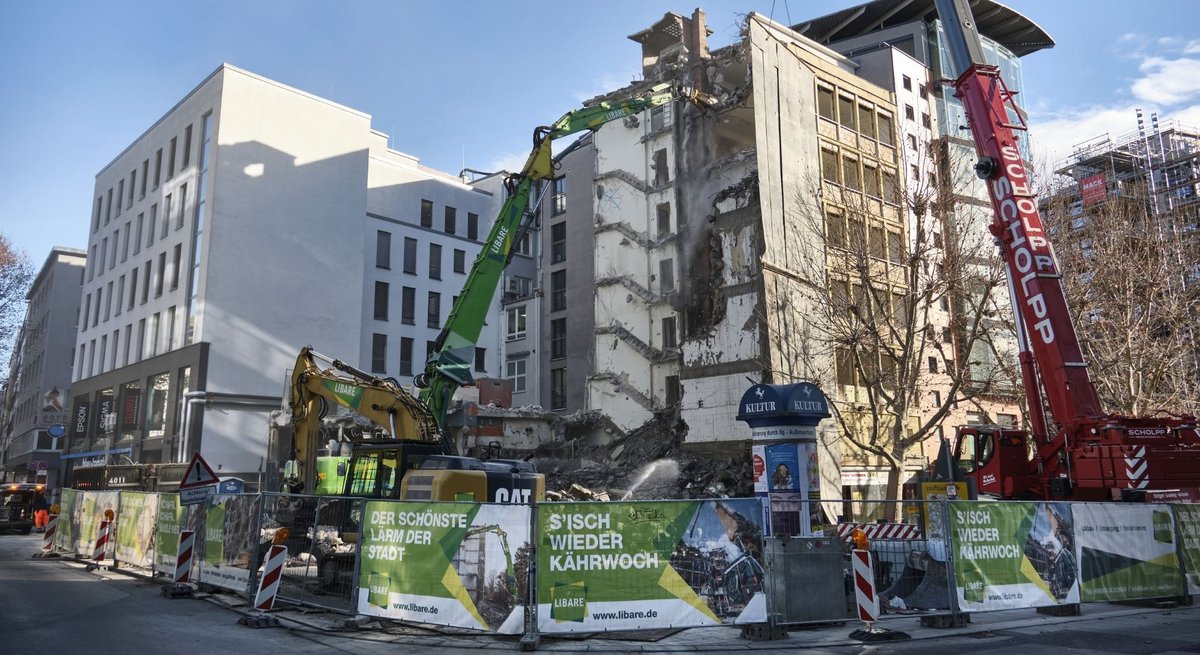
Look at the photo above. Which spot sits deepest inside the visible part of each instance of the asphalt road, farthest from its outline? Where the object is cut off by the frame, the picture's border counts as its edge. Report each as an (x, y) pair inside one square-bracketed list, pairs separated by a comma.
[(52, 606)]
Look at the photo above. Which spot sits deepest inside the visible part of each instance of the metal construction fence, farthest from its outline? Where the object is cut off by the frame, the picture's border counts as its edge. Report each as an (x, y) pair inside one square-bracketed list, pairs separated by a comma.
[(583, 567)]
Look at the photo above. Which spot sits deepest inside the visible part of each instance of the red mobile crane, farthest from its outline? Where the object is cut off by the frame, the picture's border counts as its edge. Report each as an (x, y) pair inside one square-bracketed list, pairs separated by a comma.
[(1088, 454)]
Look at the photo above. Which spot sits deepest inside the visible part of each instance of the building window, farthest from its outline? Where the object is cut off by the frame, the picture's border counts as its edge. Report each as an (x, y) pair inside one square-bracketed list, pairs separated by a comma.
[(157, 168), (866, 121), (435, 261), (153, 225), (829, 166), (166, 217), (160, 274), (132, 184), (926, 121), (480, 360), (666, 275), (663, 214), (460, 261), (891, 187), (519, 287), (176, 255), (182, 205), (383, 249), (187, 146), (516, 322), (406, 355), (558, 388), (909, 113), (558, 291), (933, 365), (558, 338), (381, 301), (145, 174), (408, 300), (515, 371), (379, 353), (662, 174), (426, 213), (674, 390), (850, 173), (120, 197), (171, 159), (885, 129), (451, 220), (558, 203), (669, 332), (133, 283), (410, 255), (146, 282), (825, 103), (472, 226), (525, 245), (871, 181), (846, 115), (108, 206), (433, 316), (657, 118), (907, 82), (558, 242)]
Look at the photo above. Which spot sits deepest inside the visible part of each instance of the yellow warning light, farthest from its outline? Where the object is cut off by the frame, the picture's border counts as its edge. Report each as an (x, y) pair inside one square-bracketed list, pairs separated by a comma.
[(55, 509), (109, 514), (860, 539), (281, 535)]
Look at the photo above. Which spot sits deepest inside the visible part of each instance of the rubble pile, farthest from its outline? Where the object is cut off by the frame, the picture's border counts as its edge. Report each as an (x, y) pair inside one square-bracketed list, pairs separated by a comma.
[(597, 461)]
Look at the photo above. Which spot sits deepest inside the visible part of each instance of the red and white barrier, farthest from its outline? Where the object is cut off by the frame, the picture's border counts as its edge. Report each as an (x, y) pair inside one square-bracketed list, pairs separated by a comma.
[(864, 586), (879, 531), (102, 538), (183, 557), (48, 537), (268, 585)]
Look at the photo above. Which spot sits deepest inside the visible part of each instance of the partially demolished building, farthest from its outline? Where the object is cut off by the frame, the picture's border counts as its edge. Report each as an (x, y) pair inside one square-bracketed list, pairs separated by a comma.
[(711, 230)]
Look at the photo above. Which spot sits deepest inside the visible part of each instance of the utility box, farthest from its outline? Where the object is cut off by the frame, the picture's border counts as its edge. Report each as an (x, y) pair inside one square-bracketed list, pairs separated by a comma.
[(806, 579)]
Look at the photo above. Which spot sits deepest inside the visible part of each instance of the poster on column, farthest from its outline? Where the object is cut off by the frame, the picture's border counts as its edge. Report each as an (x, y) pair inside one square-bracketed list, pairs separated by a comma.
[(90, 507), (1187, 517), (135, 528), (1012, 555), (171, 515), (623, 566), (66, 536), (453, 564), (1126, 551), (230, 538)]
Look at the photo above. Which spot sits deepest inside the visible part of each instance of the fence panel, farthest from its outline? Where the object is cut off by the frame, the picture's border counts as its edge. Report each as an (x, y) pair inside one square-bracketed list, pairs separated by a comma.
[(66, 538), (135, 538), (89, 510), (322, 538), (230, 541), (455, 564), (1126, 552), (649, 565)]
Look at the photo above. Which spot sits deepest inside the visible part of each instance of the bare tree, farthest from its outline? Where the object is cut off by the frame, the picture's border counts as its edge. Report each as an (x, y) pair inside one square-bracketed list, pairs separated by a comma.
[(913, 316), (16, 274), (1132, 277)]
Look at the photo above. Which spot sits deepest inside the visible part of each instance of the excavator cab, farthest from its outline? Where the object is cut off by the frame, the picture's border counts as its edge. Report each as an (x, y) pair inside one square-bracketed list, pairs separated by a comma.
[(992, 455)]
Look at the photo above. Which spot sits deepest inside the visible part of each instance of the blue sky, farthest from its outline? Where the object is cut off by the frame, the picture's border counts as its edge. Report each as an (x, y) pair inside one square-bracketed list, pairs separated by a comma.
[(459, 82)]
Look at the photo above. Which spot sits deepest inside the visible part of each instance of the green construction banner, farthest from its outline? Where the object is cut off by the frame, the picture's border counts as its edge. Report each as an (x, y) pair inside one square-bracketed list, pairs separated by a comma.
[(636, 565), (1013, 555), (453, 564), (135, 528), (171, 515), (90, 509), (1187, 518), (1126, 551), (66, 535), (230, 538)]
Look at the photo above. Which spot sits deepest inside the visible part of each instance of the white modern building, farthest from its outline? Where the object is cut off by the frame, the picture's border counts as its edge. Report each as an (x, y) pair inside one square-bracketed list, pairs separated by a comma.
[(251, 220)]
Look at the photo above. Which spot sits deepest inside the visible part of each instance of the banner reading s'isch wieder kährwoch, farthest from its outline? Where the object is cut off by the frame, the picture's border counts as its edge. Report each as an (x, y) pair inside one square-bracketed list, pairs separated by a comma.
[(1126, 551), (1187, 518), (644, 565), (135, 528), (453, 564), (1013, 555)]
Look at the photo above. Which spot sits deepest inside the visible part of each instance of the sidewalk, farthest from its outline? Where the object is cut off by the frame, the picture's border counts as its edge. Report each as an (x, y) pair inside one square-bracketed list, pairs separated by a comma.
[(714, 639)]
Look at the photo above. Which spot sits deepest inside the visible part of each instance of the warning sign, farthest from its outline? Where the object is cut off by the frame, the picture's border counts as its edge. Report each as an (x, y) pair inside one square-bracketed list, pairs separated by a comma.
[(199, 474)]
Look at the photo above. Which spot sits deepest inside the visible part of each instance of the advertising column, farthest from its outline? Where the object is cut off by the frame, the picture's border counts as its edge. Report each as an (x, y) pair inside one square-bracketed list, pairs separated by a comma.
[(783, 421)]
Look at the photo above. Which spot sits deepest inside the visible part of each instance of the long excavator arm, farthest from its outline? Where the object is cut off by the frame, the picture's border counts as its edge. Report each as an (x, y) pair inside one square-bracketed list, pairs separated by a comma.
[(452, 360), (379, 400)]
